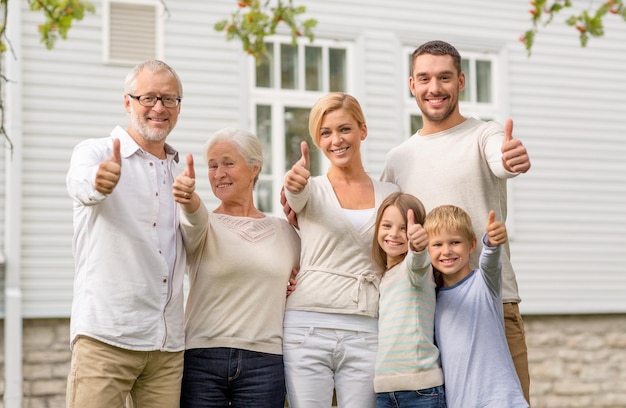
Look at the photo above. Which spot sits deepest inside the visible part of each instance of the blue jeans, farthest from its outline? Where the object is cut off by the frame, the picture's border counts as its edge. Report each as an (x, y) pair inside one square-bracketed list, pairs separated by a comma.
[(427, 398), (226, 377)]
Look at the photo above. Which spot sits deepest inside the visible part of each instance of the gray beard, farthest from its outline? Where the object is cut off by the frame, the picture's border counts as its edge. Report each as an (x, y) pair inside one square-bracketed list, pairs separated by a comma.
[(147, 132)]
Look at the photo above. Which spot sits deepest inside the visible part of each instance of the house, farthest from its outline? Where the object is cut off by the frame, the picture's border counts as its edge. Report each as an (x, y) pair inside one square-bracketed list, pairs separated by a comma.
[(567, 216)]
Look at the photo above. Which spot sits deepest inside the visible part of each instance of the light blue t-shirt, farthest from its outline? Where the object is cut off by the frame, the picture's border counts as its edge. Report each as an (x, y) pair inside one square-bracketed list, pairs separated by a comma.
[(469, 328)]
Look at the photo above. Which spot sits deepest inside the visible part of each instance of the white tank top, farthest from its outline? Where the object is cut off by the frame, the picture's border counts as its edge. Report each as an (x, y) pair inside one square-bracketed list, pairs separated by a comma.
[(358, 217)]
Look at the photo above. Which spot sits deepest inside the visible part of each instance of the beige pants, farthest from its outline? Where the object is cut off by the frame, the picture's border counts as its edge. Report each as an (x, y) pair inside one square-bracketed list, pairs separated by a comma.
[(104, 376), (516, 337)]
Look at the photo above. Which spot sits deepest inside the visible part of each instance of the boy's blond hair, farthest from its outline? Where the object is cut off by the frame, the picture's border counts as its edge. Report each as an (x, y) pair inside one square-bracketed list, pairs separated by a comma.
[(449, 218)]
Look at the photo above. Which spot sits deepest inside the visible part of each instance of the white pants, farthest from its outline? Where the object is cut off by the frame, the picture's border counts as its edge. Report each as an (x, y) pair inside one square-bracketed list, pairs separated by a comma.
[(319, 360)]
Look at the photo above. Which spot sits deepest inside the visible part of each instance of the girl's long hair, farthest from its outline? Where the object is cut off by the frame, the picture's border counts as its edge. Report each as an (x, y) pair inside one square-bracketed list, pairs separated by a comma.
[(404, 202)]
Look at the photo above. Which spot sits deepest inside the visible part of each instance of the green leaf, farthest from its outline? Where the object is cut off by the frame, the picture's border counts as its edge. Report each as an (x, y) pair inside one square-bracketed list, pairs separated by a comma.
[(251, 24), (571, 21), (220, 25)]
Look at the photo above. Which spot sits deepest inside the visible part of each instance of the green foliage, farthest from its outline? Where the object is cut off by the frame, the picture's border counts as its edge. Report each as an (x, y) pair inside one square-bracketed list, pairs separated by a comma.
[(3, 26), (587, 22), (254, 20), (59, 14)]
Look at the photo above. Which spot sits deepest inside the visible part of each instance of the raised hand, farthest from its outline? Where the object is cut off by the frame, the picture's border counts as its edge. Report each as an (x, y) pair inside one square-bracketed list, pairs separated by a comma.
[(185, 185), (298, 176), (496, 231), (514, 156), (109, 171), (418, 239)]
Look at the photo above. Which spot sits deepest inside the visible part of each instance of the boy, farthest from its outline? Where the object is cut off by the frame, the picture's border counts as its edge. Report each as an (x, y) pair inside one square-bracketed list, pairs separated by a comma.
[(477, 366)]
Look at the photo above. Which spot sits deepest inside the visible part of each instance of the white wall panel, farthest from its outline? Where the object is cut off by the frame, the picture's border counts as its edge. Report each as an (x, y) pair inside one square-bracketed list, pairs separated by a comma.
[(568, 104)]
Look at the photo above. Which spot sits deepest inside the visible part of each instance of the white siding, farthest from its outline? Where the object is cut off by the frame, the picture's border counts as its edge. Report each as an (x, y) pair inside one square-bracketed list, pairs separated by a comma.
[(571, 208), (568, 105), (382, 84), (4, 157), (70, 95)]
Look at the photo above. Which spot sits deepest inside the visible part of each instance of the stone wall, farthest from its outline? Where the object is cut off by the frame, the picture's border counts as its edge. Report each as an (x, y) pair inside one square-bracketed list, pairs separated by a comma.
[(46, 357), (575, 361)]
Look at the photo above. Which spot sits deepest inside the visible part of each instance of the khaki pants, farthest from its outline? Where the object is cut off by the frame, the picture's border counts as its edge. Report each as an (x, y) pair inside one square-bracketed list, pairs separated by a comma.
[(103, 376), (516, 337)]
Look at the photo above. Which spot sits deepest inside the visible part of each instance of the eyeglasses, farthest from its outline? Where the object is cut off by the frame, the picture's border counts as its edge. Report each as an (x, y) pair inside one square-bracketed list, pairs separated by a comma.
[(151, 100)]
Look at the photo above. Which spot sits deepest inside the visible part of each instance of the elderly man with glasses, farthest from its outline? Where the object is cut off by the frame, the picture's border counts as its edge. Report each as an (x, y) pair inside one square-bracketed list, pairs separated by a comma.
[(127, 335)]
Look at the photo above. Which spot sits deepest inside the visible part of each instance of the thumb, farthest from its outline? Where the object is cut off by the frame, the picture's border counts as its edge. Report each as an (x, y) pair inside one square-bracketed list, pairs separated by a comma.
[(304, 148), (191, 173), (492, 218), (410, 219), (116, 156), (508, 130)]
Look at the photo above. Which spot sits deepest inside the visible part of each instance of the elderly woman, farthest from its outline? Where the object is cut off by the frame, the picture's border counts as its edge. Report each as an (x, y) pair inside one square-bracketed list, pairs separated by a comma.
[(240, 261)]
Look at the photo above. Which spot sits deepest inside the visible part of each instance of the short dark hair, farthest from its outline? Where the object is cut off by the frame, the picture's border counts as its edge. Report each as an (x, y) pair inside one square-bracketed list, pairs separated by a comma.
[(437, 47)]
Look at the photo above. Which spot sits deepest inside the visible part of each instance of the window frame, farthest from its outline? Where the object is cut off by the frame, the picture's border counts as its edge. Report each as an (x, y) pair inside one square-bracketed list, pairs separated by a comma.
[(279, 99)]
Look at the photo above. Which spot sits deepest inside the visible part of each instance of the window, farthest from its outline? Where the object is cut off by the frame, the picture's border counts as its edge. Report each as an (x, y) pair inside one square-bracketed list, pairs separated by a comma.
[(285, 86), (133, 31), (478, 99)]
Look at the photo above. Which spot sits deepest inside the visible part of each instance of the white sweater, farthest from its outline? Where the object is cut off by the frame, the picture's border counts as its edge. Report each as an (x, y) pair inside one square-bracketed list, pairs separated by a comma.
[(460, 166), (238, 273), (336, 273)]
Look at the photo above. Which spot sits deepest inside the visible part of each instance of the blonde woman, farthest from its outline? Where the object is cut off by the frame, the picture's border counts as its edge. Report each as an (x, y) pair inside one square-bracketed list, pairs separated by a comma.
[(331, 327)]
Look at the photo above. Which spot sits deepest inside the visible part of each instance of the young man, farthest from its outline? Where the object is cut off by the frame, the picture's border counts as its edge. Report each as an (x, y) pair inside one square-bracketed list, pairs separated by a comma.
[(126, 326), (464, 162), (477, 365)]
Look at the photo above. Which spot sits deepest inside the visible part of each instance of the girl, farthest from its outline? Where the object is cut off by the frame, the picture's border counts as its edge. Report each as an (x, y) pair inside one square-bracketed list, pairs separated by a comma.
[(408, 369)]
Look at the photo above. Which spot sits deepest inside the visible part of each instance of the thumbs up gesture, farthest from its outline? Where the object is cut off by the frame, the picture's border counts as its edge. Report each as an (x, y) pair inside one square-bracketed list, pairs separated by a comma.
[(184, 187), (416, 234), (496, 231), (109, 171), (514, 156), (298, 176)]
